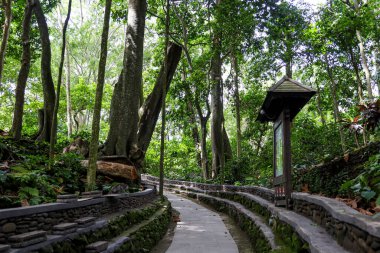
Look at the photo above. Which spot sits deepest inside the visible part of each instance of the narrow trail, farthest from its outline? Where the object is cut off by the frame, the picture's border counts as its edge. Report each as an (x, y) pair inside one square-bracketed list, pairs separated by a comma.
[(199, 230)]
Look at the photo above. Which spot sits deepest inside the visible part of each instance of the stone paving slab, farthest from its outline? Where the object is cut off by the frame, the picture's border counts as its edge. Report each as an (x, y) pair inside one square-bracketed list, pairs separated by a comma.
[(85, 221), (27, 236), (4, 247), (342, 212), (65, 226), (318, 239), (256, 219), (115, 245), (97, 247), (200, 230)]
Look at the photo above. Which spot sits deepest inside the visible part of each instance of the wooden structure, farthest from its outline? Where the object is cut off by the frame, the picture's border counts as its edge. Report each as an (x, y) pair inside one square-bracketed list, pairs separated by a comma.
[(283, 102)]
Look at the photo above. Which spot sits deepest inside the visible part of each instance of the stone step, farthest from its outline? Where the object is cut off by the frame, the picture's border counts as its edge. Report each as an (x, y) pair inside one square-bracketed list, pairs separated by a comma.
[(97, 247), (116, 243), (4, 248), (67, 198), (64, 228), (257, 220), (26, 239), (85, 221), (318, 239), (92, 194)]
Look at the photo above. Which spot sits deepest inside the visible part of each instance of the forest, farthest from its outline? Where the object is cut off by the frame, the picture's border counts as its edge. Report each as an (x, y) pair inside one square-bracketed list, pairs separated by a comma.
[(176, 86)]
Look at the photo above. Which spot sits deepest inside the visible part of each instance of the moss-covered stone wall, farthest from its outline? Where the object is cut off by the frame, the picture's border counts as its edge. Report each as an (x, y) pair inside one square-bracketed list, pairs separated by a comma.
[(328, 177)]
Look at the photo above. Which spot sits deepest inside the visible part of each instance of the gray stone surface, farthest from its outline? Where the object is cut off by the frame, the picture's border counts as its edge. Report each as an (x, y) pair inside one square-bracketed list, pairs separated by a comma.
[(8, 228), (200, 230), (67, 200), (23, 244), (65, 226), (257, 220), (318, 239), (342, 212), (92, 194), (67, 196), (97, 246), (116, 244), (51, 239), (85, 221), (64, 232), (4, 248), (27, 236)]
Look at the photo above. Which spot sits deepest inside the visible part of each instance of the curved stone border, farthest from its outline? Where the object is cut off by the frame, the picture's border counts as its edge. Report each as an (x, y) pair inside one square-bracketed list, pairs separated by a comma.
[(263, 192), (263, 237), (114, 229), (44, 217), (352, 229)]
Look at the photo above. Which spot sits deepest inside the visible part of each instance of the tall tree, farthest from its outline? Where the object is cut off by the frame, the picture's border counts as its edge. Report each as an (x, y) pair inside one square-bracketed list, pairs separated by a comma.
[(235, 67), (53, 132), (91, 172), (356, 5), (68, 92), (122, 137), (285, 32), (218, 159), (163, 109), (46, 76), (153, 103), (7, 5), (23, 73)]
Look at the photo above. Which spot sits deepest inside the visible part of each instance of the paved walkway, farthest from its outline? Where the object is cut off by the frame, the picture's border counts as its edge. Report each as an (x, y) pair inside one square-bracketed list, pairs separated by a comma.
[(200, 230)]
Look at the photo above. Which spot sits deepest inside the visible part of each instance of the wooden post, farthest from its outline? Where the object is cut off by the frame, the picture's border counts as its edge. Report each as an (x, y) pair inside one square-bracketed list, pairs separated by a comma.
[(287, 154)]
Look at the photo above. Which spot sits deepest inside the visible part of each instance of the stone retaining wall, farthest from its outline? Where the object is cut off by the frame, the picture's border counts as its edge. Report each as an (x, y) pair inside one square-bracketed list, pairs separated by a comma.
[(356, 232), (44, 217), (264, 193), (328, 177)]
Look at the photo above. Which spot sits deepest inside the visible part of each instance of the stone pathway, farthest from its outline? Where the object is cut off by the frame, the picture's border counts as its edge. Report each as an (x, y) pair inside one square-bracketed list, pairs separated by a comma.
[(200, 230)]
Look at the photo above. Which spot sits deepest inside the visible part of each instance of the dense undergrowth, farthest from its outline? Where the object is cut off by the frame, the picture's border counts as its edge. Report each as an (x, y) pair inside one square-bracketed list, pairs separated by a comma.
[(26, 177)]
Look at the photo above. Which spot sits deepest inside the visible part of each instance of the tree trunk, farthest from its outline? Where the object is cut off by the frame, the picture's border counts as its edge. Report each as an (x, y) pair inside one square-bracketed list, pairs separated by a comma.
[(226, 145), (357, 74), (47, 80), (68, 93), (319, 105), (122, 137), (152, 106), (377, 69), (91, 172), (192, 119), (163, 109), (203, 122), (288, 70), (53, 132), (23, 74), (217, 107), (7, 4), (335, 103), (365, 65), (237, 104)]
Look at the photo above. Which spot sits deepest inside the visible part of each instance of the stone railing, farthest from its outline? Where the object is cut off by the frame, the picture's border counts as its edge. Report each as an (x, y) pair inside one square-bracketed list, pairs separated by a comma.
[(262, 192), (43, 217), (354, 231)]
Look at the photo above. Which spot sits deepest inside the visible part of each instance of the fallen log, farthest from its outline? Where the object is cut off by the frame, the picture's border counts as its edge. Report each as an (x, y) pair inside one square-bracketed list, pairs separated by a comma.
[(115, 170)]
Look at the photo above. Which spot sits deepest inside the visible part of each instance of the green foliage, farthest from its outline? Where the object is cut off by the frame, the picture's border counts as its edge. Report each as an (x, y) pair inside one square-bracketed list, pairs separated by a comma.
[(367, 184), (68, 172), (32, 195)]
